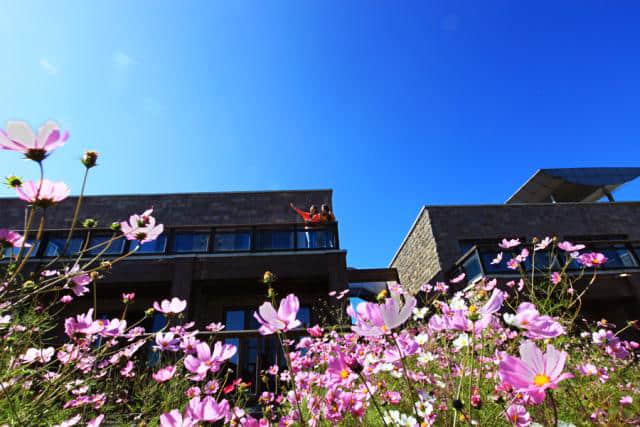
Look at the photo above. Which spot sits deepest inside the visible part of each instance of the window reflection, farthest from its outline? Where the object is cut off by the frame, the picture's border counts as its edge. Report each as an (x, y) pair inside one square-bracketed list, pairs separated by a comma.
[(114, 248), (56, 244), (154, 247), (232, 241), (274, 239), (191, 242)]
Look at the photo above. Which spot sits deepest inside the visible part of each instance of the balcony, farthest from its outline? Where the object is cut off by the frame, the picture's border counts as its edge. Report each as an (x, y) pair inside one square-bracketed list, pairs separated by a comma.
[(623, 257), (193, 240)]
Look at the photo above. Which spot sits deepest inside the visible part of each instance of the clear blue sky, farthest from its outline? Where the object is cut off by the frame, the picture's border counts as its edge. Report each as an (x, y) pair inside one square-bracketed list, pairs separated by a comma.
[(392, 104)]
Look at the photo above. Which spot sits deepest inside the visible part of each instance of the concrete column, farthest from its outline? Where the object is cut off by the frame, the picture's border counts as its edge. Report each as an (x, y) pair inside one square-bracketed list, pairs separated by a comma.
[(181, 285)]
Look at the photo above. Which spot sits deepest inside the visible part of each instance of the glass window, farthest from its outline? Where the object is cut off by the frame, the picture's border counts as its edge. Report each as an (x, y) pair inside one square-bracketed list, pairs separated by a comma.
[(472, 268), (232, 241), (618, 257), (189, 241), (304, 316), (56, 244), (14, 251), (274, 239), (154, 247), (501, 267), (316, 239), (114, 248), (234, 320)]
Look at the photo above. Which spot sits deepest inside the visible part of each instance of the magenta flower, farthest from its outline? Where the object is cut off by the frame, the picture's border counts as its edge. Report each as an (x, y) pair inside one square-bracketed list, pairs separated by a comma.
[(536, 326), (166, 342), (282, 320), (518, 416), (208, 361), (543, 244), (214, 327), (142, 227), (556, 277), (507, 244), (128, 297), (174, 306), (379, 319), (592, 259), (21, 138), (96, 421), (626, 400), (174, 418), (534, 372), (11, 239), (82, 324), (44, 195), (79, 281), (164, 374), (208, 409), (570, 247), (459, 278), (43, 355)]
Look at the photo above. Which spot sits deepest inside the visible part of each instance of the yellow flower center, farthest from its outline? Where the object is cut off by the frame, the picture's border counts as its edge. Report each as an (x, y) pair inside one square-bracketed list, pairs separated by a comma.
[(344, 374), (473, 309), (541, 380)]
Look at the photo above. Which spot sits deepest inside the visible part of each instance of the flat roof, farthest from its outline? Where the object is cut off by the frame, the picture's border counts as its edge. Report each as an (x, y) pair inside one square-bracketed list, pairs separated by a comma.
[(572, 184)]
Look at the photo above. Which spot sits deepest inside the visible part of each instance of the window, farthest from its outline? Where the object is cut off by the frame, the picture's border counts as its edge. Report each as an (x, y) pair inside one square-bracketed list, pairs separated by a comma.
[(189, 241), (114, 248), (316, 239), (56, 244), (229, 241), (274, 239), (618, 256), (472, 268), (14, 251), (154, 247)]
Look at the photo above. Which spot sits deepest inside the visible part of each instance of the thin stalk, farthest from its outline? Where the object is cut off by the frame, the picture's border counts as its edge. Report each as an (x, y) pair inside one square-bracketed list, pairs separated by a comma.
[(555, 410), (373, 399), (76, 211), (291, 376), (30, 251), (406, 377)]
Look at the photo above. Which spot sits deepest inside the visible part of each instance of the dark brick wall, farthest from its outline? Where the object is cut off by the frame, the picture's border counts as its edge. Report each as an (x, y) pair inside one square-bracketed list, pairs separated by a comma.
[(433, 245), (247, 208)]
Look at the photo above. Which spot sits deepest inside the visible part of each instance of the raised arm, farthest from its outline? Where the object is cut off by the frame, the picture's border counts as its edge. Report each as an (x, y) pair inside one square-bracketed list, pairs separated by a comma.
[(305, 215)]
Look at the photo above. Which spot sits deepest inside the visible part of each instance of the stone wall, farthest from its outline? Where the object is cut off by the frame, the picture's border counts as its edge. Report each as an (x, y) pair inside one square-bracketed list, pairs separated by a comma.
[(240, 208), (417, 259)]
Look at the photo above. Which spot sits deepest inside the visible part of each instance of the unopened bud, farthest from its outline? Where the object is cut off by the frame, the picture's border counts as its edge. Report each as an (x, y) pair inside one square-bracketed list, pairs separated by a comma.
[(89, 159), (268, 278), (13, 181), (381, 295), (115, 226), (94, 275), (89, 223), (106, 265)]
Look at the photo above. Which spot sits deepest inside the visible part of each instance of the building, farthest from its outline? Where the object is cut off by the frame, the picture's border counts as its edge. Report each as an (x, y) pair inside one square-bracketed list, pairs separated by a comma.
[(213, 253), (447, 240)]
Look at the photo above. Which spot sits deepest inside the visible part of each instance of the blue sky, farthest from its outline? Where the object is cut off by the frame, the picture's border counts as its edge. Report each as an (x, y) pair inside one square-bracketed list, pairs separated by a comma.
[(392, 104)]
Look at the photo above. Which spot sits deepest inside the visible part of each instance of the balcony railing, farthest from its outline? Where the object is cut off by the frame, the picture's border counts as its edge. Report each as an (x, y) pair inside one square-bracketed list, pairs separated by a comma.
[(622, 255), (195, 240)]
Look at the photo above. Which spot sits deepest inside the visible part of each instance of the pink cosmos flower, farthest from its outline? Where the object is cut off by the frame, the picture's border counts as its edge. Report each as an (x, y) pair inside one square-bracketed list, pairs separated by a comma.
[(588, 370), (166, 342), (96, 421), (543, 244), (208, 361), (556, 277), (128, 297), (570, 247), (66, 299), (282, 320), (459, 278), (208, 409), (316, 331), (174, 418), (19, 137), (127, 371), (174, 306), (379, 319), (497, 259), (592, 259), (45, 195), (164, 374), (507, 244), (43, 355), (70, 422), (214, 327), (11, 239), (536, 326), (78, 280), (142, 227), (82, 324), (534, 372), (517, 415), (626, 400)]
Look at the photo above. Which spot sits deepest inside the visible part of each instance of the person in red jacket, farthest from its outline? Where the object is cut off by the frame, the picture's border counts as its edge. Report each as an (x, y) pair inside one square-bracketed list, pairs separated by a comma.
[(310, 218)]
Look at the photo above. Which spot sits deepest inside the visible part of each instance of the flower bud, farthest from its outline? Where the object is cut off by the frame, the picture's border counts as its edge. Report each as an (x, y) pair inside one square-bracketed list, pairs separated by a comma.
[(268, 278), (149, 312), (106, 265), (115, 226), (94, 275), (89, 223), (89, 159), (13, 181), (381, 295)]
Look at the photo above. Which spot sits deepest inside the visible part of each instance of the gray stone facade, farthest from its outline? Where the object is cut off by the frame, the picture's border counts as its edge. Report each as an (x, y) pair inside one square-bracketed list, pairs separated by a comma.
[(432, 245), (204, 209)]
